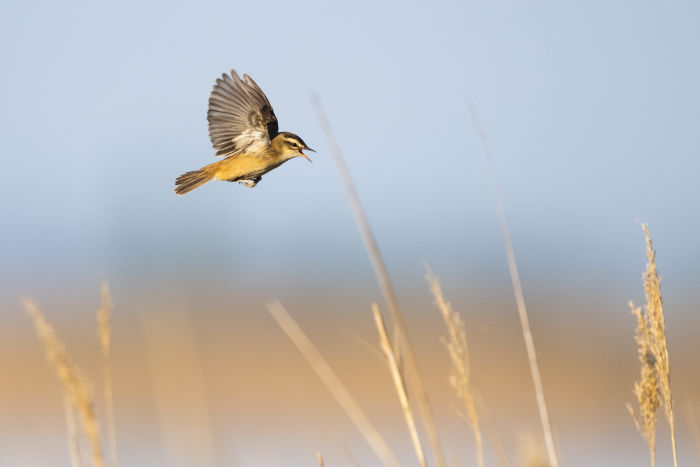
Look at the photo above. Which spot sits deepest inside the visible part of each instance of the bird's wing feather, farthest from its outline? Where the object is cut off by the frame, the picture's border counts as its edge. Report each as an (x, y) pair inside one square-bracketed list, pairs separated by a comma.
[(240, 116)]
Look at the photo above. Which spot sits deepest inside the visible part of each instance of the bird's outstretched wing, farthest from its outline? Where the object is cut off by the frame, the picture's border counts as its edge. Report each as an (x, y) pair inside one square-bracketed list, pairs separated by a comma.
[(240, 116)]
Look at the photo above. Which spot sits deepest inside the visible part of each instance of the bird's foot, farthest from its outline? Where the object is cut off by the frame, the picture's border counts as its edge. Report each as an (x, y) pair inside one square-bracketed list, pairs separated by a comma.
[(250, 183)]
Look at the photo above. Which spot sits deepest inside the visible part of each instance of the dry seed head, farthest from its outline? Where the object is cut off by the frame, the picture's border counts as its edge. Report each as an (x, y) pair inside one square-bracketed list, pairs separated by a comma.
[(654, 312), (655, 316), (74, 384), (646, 390), (654, 387), (458, 351)]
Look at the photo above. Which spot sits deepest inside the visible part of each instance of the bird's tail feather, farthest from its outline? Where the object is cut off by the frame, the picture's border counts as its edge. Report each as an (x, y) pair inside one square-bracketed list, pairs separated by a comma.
[(191, 180)]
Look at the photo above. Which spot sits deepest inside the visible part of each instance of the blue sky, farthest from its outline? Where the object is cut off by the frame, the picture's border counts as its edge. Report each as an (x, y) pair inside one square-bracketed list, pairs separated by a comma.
[(591, 110)]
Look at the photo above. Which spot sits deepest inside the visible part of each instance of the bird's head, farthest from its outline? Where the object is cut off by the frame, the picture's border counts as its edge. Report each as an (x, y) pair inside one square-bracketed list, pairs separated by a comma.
[(290, 145)]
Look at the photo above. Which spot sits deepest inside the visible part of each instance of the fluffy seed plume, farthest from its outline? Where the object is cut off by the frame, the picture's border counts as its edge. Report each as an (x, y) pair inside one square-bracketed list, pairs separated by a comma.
[(74, 384), (460, 373), (654, 387)]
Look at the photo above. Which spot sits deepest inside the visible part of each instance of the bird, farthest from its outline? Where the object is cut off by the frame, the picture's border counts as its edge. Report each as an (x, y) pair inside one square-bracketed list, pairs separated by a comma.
[(243, 129)]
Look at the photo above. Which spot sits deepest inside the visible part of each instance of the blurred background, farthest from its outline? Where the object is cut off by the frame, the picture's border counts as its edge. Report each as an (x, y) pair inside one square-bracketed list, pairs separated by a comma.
[(592, 113)]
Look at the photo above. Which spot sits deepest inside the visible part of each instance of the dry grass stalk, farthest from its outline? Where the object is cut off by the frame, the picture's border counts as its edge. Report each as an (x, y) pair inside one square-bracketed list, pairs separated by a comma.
[(400, 339), (653, 348), (460, 372), (319, 457), (646, 390), (73, 445), (399, 383), (74, 384), (519, 297), (103, 326), (655, 312), (333, 383)]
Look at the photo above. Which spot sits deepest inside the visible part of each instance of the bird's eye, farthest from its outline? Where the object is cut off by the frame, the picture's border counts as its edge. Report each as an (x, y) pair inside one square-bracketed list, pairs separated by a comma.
[(293, 144)]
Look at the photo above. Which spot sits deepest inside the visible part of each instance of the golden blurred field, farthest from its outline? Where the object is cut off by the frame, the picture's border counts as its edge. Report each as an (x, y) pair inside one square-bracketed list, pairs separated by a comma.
[(202, 380)]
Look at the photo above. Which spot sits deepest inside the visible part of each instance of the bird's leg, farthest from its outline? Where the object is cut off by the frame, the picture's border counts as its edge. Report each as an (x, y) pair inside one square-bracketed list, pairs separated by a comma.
[(250, 183)]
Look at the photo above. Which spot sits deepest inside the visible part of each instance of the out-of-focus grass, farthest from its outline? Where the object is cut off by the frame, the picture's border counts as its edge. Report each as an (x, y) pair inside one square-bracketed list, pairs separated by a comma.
[(458, 352), (399, 382), (75, 386), (257, 387), (104, 313)]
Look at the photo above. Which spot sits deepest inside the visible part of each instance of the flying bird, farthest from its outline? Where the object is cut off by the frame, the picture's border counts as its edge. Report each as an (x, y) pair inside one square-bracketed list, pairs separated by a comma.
[(243, 129)]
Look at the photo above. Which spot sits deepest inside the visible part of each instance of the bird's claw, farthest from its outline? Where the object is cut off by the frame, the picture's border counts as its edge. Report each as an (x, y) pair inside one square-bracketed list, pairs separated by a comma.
[(250, 183)]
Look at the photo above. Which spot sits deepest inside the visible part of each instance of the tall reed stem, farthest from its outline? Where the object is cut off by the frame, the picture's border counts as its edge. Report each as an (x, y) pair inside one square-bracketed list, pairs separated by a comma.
[(399, 383), (104, 314), (400, 336), (332, 382), (519, 297)]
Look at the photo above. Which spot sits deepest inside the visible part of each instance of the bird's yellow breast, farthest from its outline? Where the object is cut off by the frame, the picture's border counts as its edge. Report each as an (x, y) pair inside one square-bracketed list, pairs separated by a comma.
[(243, 166)]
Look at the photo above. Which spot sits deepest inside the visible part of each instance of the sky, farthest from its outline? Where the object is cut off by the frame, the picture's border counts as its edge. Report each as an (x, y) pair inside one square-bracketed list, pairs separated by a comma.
[(591, 112)]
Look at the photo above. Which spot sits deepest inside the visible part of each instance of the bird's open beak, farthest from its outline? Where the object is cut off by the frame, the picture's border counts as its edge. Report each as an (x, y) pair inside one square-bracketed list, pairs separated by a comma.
[(305, 156)]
